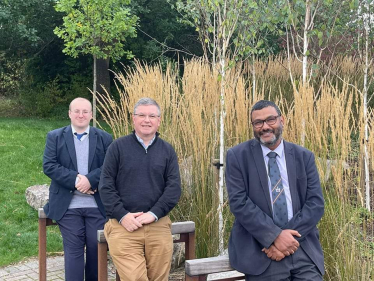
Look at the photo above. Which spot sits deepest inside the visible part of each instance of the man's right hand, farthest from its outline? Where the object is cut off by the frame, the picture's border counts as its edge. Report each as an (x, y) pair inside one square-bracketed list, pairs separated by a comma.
[(130, 223), (273, 253), (286, 243)]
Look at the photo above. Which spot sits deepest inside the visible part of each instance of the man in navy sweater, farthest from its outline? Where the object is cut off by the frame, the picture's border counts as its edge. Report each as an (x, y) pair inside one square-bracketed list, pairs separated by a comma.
[(139, 186)]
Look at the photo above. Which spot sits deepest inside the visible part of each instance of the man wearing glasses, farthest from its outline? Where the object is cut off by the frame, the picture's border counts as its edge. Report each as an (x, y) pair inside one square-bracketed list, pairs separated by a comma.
[(139, 186), (276, 198), (73, 158)]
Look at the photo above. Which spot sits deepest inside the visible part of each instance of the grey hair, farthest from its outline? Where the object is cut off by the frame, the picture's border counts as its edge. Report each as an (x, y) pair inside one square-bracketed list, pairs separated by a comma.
[(147, 101)]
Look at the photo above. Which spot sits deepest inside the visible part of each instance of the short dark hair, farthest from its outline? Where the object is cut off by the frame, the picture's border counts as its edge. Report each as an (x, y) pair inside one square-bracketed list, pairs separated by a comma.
[(265, 103)]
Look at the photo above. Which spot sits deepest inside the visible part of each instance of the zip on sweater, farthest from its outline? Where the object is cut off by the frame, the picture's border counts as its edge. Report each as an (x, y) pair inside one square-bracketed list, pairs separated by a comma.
[(146, 149)]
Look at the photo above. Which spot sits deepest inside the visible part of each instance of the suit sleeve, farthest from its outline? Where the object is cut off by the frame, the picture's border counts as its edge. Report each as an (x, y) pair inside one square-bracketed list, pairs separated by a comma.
[(94, 175), (248, 214), (63, 176), (312, 210), (172, 190), (112, 202)]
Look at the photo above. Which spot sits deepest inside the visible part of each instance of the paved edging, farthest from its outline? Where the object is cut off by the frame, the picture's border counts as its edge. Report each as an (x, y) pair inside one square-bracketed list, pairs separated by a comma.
[(29, 270)]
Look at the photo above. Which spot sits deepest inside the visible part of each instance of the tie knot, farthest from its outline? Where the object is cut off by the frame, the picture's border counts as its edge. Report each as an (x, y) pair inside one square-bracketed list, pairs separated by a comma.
[(272, 154), (79, 136)]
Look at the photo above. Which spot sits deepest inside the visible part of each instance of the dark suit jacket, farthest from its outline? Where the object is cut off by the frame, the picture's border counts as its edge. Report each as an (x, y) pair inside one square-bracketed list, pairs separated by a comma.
[(254, 229), (60, 164)]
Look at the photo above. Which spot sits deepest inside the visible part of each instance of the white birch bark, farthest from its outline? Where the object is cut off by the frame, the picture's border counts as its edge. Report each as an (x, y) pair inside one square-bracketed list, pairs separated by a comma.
[(306, 42), (94, 94), (365, 101), (253, 78)]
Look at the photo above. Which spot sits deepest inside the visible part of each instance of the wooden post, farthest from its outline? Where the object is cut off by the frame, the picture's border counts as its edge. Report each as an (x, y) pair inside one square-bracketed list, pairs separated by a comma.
[(42, 249), (102, 249)]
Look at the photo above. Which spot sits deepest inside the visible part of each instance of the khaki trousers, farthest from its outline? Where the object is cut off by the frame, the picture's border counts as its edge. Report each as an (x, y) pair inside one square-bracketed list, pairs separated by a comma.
[(144, 254)]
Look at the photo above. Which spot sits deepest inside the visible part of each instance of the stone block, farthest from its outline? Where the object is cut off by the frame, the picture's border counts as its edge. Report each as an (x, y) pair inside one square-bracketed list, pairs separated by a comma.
[(37, 195)]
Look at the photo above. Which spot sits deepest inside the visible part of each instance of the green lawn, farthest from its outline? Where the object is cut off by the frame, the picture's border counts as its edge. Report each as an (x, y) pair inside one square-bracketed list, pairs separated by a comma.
[(21, 153)]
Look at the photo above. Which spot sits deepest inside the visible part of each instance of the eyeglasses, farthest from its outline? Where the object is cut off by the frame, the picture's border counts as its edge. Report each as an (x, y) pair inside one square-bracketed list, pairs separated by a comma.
[(78, 112), (142, 116), (270, 121)]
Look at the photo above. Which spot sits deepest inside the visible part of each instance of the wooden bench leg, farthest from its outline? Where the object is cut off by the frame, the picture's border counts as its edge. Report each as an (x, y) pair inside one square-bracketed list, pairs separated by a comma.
[(103, 261), (42, 249), (190, 246)]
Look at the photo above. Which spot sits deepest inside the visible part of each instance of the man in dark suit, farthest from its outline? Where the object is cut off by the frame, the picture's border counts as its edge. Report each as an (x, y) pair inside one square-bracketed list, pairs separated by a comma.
[(73, 158), (276, 198)]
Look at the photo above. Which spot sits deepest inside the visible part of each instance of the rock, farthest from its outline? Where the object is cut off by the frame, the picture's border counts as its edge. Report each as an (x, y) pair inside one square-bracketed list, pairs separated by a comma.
[(37, 195), (178, 258)]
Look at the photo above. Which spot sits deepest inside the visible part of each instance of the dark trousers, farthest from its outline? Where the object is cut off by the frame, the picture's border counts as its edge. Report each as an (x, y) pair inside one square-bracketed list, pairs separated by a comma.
[(296, 267), (79, 231)]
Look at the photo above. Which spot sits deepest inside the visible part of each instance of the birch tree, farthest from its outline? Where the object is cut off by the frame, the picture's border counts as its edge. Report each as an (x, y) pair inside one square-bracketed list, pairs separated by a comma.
[(364, 25), (309, 23), (227, 29)]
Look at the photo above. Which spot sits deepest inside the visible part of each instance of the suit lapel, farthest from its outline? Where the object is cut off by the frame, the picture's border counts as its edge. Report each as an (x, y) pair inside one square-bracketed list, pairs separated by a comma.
[(92, 147), (291, 172), (69, 140), (261, 169)]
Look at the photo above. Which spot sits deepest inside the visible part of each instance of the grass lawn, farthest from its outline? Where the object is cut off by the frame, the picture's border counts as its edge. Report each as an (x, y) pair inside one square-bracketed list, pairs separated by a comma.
[(22, 144)]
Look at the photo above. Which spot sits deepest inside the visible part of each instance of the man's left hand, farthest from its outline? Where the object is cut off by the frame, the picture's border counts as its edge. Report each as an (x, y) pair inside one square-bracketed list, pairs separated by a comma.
[(84, 185), (146, 218)]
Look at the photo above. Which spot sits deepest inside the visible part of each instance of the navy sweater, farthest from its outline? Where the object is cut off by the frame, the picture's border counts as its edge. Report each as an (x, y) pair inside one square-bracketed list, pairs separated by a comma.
[(136, 180)]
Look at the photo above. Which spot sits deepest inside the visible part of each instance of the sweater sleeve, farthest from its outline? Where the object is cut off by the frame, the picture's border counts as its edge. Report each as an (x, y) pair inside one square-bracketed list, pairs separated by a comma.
[(172, 191), (110, 197)]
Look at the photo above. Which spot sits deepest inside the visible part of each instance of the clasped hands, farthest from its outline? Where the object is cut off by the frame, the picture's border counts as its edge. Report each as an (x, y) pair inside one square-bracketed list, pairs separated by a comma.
[(133, 221), (284, 245), (83, 185)]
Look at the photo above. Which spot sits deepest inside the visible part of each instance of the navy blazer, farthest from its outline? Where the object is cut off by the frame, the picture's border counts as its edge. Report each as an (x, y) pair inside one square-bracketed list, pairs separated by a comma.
[(60, 164), (249, 198)]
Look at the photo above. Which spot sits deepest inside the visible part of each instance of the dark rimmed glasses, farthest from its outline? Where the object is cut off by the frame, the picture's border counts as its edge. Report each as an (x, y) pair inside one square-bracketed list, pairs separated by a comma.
[(271, 120)]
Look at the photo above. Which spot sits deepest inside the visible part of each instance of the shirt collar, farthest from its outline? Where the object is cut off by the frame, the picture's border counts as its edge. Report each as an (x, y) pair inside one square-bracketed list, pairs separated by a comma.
[(87, 131), (279, 150), (142, 142)]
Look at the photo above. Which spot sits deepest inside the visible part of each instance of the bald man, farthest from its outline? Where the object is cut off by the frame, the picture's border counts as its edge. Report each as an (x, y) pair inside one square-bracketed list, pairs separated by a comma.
[(73, 158)]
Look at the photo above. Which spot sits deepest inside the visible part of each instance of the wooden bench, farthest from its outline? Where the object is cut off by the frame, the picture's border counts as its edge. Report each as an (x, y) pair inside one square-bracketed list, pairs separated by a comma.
[(186, 231), (199, 269)]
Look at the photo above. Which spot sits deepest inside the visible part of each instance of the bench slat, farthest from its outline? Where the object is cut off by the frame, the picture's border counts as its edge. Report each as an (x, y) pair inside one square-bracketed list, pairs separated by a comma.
[(208, 266)]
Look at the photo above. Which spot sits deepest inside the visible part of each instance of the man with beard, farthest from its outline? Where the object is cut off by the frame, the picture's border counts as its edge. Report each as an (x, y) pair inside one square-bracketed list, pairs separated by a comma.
[(276, 198)]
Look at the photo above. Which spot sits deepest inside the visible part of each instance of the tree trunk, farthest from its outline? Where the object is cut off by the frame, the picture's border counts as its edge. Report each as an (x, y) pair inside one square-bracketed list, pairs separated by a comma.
[(103, 77), (253, 78), (221, 153), (305, 50), (365, 104), (94, 92)]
